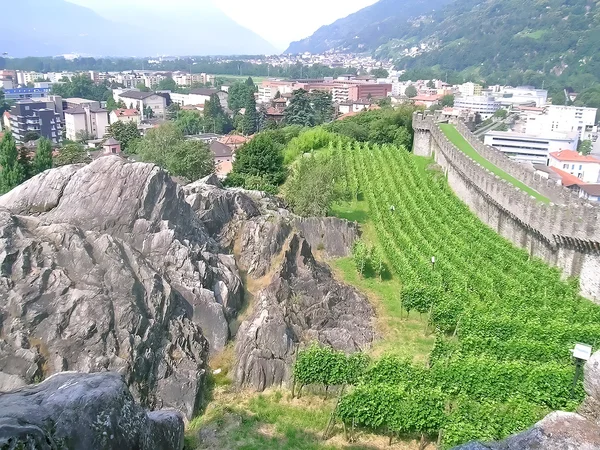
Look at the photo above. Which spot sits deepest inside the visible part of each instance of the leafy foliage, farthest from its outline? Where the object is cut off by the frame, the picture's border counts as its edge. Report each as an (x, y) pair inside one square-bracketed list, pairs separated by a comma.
[(82, 86), (124, 132), (43, 156), (71, 153), (11, 172)]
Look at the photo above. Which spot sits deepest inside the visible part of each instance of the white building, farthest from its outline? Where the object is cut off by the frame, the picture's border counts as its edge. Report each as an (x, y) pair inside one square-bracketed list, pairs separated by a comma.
[(470, 89), (586, 168), (524, 147), (486, 106), (93, 121), (141, 100), (353, 107), (152, 81), (24, 78), (567, 119), (125, 115), (199, 97), (522, 95)]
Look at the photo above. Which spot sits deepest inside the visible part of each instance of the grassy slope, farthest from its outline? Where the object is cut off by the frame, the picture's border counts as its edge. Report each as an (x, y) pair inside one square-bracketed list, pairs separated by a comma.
[(456, 138)]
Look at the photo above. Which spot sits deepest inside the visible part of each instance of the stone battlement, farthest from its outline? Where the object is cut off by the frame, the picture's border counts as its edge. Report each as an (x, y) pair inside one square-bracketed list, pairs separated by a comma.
[(565, 232)]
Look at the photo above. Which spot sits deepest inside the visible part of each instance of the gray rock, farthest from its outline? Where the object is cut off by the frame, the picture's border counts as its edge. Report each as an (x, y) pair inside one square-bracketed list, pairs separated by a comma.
[(332, 235), (112, 270), (83, 412), (303, 303)]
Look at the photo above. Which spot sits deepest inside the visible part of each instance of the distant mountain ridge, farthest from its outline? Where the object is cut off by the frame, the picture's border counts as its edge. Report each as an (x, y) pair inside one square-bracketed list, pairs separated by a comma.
[(53, 27), (368, 28)]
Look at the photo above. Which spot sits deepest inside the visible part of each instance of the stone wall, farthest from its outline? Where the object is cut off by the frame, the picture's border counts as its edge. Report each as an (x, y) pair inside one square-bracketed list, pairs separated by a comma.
[(565, 233)]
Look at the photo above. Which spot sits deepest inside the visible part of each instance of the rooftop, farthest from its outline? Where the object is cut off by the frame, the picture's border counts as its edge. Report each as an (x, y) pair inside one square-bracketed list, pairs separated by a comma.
[(126, 112), (79, 101), (220, 150), (550, 135), (204, 91), (591, 189), (568, 180), (137, 95), (571, 155)]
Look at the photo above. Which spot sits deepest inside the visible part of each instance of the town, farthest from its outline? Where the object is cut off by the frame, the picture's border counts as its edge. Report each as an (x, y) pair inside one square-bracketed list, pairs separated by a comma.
[(560, 142)]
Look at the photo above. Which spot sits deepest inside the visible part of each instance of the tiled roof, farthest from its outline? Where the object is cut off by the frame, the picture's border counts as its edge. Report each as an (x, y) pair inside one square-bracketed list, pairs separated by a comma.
[(568, 180), (220, 150), (591, 189), (126, 112), (571, 155), (137, 95)]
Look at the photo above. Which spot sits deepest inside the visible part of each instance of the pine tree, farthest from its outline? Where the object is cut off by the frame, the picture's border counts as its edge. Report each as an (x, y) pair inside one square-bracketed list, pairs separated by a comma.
[(300, 110), (250, 120), (43, 156), (11, 174)]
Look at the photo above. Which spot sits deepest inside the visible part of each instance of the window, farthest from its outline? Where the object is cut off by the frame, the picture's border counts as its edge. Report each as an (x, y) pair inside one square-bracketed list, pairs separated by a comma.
[(572, 166), (565, 166), (580, 167)]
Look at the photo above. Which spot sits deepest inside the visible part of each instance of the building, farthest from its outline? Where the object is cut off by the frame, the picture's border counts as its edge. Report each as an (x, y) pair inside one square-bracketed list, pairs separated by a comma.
[(348, 107), (524, 147), (590, 192), (269, 89), (426, 100), (522, 95), (585, 168), (234, 141), (486, 106), (24, 78), (142, 100), (567, 119), (470, 89), (365, 91), (91, 121), (26, 93), (28, 115), (223, 157), (70, 103), (6, 83), (198, 97), (125, 115)]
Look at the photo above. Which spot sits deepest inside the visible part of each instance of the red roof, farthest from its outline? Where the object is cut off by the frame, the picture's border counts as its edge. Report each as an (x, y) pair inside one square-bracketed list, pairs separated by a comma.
[(427, 98), (568, 180), (571, 155), (126, 112)]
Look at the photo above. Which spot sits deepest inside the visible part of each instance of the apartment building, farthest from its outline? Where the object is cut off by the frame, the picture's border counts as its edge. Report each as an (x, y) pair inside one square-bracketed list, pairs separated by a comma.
[(26, 93), (586, 168), (141, 100), (470, 89), (39, 117), (89, 120)]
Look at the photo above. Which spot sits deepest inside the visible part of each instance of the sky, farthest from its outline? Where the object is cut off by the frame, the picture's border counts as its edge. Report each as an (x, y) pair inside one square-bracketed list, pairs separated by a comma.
[(278, 21)]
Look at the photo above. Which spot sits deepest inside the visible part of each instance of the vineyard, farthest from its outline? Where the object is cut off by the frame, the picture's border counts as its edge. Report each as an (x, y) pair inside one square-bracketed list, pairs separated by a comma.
[(504, 323)]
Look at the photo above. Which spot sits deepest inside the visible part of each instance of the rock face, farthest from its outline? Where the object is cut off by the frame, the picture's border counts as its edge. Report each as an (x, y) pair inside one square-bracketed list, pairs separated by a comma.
[(560, 430), (83, 412), (106, 267), (301, 302)]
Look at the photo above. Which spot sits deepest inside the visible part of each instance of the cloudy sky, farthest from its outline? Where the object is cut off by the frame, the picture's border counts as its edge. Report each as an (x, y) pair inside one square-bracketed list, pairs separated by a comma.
[(278, 21)]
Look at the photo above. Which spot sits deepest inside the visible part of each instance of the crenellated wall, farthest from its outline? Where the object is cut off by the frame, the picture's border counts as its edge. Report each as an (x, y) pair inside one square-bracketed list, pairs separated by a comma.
[(565, 233)]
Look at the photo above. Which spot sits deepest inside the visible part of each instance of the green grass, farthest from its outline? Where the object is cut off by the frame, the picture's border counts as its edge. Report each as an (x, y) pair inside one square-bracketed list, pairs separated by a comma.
[(234, 78), (457, 139), (400, 334), (264, 421)]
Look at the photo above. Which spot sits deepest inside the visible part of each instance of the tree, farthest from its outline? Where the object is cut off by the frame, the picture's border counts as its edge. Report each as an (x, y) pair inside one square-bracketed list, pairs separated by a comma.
[(71, 153), (216, 118), (300, 110), (166, 147), (121, 104), (360, 255), (585, 147), (250, 84), (501, 113), (431, 84), (11, 173), (31, 136), (190, 122), (148, 113), (168, 84), (172, 111), (250, 119), (124, 132), (142, 87), (82, 86), (261, 157), (43, 156), (410, 91), (322, 106), (4, 104), (447, 100), (83, 136), (238, 96), (111, 105), (310, 190), (380, 72)]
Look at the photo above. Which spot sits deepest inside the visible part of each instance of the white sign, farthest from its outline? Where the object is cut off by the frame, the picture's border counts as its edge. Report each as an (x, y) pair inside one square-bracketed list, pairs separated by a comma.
[(582, 351)]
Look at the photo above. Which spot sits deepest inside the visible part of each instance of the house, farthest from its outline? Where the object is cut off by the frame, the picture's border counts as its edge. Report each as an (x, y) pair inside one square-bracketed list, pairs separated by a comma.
[(125, 115), (426, 100), (223, 157), (585, 168), (91, 121), (199, 97), (70, 103), (275, 115), (348, 107), (590, 192), (109, 147), (143, 100), (234, 141)]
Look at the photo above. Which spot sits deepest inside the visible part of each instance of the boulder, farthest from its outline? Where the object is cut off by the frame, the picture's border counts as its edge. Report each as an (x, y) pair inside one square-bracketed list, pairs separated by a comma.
[(106, 267), (83, 412), (303, 303)]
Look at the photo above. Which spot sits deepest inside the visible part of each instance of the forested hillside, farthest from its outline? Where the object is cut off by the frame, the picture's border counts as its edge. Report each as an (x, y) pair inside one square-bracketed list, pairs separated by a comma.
[(497, 41)]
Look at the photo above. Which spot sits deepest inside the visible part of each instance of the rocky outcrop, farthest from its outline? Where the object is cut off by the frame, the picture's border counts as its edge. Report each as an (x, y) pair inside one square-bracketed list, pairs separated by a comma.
[(106, 267), (302, 301), (560, 430), (82, 412)]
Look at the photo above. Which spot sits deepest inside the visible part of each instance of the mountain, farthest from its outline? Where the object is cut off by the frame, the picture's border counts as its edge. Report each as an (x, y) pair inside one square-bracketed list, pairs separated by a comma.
[(368, 28), (497, 41), (56, 27)]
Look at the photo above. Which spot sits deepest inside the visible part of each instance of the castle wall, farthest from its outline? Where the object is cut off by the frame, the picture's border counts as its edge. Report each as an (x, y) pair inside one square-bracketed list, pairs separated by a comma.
[(565, 233)]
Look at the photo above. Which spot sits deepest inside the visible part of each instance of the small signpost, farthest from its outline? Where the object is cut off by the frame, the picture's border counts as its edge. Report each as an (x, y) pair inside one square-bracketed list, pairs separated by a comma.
[(581, 353), (433, 262)]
